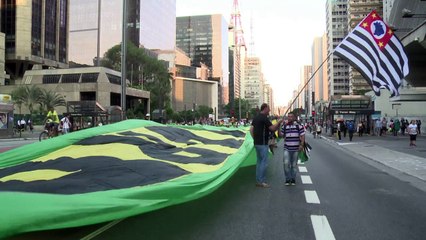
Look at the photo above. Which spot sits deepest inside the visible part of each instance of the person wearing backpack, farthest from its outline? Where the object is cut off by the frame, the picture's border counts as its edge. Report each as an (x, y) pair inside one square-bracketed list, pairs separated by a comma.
[(351, 129)]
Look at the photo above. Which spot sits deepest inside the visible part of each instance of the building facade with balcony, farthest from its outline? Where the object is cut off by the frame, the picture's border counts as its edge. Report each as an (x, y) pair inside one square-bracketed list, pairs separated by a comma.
[(337, 29), (36, 34)]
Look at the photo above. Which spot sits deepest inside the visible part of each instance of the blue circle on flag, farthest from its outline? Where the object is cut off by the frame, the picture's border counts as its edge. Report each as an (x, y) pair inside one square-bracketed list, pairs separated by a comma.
[(378, 28)]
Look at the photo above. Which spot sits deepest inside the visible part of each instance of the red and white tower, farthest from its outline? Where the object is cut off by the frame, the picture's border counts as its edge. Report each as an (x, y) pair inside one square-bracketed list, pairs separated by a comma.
[(238, 44)]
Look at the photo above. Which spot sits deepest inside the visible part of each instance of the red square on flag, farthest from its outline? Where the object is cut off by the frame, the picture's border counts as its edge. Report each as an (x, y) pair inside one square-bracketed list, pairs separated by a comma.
[(374, 24)]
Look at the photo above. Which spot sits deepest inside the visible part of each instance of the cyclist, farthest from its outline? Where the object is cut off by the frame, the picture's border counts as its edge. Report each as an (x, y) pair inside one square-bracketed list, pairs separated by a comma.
[(53, 115)]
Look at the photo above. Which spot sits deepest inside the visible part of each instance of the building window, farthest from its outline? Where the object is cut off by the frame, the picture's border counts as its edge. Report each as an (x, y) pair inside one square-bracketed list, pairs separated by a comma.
[(89, 77), (8, 26), (50, 30), (36, 28), (114, 79), (70, 78), (51, 79)]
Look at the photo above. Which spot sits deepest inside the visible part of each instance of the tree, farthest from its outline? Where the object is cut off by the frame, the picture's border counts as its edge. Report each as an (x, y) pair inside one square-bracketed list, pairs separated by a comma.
[(244, 108), (204, 111), (18, 96), (150, 73), (49, 99), (33, 96)]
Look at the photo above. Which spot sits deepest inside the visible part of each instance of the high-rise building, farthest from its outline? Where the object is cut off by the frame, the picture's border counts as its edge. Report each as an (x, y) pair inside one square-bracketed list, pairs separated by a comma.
[(36, 34), (357, 11), (204, 39), (3, 76), (96, 26), (320, 80), (337, 29), (268, 96), (306, 94), (253, 82), (158, 24)]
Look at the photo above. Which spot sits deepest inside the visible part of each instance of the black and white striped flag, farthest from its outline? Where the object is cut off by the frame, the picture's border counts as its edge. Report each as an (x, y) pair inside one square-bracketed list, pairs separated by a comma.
[(376, 53)]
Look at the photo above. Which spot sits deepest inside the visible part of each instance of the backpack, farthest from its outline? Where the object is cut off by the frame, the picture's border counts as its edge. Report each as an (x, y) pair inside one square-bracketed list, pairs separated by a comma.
[(351, 126)]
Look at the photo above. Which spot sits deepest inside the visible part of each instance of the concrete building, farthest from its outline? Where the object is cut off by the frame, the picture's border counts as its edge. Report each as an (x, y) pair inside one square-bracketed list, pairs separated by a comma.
[(189, 94), (98, 84), (205, 40), (253, 82), (268, 96), (306, 94), (357, 11), (96, 26), (36, 34), (337, 29), (320, 81), (190, 87), (3, 75)]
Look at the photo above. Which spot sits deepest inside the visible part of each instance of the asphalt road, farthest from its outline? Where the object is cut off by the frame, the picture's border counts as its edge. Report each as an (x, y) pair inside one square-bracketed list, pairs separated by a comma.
[(349, 197)]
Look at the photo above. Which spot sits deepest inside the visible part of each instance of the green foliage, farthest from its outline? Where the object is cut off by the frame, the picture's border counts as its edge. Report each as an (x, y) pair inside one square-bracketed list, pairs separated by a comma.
[(143, 71), (49, 99), (244, 108)]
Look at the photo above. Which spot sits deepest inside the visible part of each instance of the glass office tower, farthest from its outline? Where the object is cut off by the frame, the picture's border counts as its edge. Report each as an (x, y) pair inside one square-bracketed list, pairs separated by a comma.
[(205, 40)]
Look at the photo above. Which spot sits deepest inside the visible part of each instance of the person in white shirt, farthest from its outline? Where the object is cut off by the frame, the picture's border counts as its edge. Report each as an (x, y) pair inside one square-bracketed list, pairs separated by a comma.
[(412, 131), (66, 124)]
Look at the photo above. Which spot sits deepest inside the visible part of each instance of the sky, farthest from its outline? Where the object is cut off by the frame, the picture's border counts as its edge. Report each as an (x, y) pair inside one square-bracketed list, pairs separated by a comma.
[(283, 34)]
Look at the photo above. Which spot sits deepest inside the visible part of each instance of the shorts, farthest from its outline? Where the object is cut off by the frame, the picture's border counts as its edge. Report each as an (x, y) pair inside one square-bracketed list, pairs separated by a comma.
[(318, 132), (413, 137)]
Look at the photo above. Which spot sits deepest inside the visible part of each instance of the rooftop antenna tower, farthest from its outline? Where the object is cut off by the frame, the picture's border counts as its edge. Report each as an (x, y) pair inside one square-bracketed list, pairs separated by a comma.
[(238, 43)]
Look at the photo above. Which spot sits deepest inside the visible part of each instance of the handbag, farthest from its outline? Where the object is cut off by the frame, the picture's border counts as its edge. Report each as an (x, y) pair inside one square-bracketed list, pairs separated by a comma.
[(304, 154)]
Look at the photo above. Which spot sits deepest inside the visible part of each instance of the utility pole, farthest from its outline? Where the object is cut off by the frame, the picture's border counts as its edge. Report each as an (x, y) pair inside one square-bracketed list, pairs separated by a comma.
[(123, 61)]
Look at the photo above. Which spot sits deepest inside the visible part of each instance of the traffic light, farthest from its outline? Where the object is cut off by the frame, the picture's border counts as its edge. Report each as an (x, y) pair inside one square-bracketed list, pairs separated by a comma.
[(313, 112), (232, 112)]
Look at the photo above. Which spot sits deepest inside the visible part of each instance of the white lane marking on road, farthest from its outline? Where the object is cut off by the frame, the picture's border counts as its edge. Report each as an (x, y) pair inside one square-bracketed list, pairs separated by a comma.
[(306, 179), (101, 230), (322, 228), (303, 169), (311, 197), (346, 143)]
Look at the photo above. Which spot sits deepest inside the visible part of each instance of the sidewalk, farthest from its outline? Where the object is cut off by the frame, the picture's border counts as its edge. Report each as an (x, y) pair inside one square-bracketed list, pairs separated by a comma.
[(390, 151), (25, 135)]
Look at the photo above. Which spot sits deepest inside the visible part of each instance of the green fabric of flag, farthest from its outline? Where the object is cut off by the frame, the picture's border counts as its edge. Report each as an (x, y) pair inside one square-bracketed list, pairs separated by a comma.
[(115, 171)]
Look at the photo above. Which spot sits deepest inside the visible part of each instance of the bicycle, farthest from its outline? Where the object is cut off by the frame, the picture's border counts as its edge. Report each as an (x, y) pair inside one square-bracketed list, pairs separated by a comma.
[(48, 132)]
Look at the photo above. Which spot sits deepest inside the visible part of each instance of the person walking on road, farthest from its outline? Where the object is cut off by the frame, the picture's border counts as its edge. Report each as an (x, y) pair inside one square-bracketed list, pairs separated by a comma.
[(351, 129), (412, 131), (260, 129), (294, 141)]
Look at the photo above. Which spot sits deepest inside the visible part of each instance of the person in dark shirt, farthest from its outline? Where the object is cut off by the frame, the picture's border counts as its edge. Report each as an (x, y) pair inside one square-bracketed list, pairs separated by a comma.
[(260, 129)]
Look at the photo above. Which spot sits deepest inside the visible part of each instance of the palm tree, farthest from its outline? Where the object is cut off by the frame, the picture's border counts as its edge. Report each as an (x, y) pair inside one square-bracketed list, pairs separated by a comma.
[(49, 99), (18, 96), (33, 96)]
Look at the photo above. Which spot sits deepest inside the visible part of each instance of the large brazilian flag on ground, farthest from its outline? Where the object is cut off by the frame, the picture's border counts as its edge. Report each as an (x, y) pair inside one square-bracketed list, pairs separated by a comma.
[(113, 172)]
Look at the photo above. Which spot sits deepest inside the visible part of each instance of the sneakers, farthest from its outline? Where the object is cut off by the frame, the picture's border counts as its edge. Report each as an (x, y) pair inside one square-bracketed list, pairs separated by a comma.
[(291, 182), (263, 185)]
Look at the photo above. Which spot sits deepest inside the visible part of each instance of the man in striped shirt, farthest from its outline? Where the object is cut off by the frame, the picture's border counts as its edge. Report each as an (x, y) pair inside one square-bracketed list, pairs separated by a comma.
[(294, 140), (260, 129)]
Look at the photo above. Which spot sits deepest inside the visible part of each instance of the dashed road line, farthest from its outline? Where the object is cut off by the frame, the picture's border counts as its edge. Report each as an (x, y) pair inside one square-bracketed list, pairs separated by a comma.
[(322, 228), (311, 197), (306, 179), (302, 169)]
